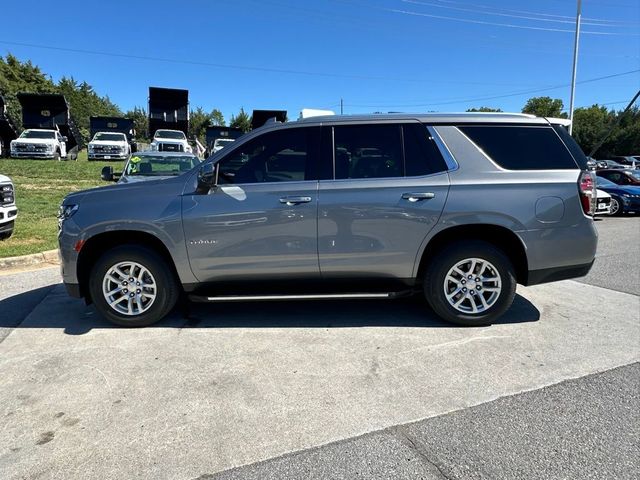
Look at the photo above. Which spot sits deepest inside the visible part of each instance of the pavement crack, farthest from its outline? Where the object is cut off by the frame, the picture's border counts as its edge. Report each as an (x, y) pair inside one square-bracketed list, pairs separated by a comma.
[(414, 444)]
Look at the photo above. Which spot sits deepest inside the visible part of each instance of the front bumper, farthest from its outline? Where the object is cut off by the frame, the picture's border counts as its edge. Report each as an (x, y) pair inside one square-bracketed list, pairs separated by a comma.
[(107, 156), (631, 204), (7, 216), (32, 154)]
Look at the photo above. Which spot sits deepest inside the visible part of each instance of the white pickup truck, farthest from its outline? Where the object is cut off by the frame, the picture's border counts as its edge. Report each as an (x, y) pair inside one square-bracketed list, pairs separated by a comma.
[(8, 209), (109, 146), (170, 141), (39, 143)]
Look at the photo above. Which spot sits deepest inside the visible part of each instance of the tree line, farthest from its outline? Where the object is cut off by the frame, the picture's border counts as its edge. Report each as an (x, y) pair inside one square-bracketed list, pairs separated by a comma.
[(590, 124)]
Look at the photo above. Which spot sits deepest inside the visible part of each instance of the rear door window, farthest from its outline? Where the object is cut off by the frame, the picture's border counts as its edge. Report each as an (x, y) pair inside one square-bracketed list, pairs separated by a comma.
[(521, 147), (421, 154), (368, 151)]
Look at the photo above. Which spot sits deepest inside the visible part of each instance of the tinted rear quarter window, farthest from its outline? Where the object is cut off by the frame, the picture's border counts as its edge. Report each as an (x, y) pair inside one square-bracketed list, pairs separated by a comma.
[(521, 147), (421, 154)]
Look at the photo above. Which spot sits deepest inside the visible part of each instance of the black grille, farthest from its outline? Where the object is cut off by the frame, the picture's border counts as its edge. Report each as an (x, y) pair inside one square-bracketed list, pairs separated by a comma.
[(23, 147), (171, 147)]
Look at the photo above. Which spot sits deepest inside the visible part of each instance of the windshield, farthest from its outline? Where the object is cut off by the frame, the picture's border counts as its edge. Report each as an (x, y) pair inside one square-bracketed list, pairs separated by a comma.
[(37, 134), (160, 165), (603, 182), (634, 173), (175, 135), (224, 141), (110, 137)]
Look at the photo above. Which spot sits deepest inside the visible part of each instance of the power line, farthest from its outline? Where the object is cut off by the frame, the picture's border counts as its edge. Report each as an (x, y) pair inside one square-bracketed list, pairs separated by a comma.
[(569, 18), (238, 67), (497, 24), (494, 97)]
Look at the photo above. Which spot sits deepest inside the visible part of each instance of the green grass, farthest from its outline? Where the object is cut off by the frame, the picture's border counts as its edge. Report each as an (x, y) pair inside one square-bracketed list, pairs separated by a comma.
[(40, 187)]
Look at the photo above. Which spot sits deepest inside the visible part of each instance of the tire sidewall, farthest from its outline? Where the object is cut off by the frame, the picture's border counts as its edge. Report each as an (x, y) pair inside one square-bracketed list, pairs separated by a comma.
[(445, 260), (166, 288)]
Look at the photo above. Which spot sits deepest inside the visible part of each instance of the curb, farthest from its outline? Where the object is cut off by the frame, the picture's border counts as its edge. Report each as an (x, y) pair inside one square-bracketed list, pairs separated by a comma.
[(50, 257)]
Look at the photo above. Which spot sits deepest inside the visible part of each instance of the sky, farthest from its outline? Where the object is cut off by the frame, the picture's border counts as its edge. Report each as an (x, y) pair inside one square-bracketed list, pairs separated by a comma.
[(374, 55)]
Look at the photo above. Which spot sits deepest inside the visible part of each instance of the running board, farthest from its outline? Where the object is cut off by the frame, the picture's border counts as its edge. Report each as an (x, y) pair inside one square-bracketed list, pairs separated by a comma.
[(330, 296)]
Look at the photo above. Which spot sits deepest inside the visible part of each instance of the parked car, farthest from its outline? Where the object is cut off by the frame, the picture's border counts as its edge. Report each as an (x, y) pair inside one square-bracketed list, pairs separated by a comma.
[(610, 165), (602, 205), (39, 143), (621, 177), (459, 207), (144, 166), (624, 198), (8, 209), (628, 160)]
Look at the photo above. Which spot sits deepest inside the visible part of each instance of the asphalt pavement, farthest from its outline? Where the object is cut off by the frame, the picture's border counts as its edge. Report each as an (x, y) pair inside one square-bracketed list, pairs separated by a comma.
[(328, 389)]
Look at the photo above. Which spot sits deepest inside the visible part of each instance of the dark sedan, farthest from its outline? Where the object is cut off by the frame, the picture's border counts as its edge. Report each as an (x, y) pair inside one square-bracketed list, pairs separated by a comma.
[(620, 177), (624, 198)]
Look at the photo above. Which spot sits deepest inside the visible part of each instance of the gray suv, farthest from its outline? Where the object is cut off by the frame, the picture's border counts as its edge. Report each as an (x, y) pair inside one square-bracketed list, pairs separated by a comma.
[(459, 207)]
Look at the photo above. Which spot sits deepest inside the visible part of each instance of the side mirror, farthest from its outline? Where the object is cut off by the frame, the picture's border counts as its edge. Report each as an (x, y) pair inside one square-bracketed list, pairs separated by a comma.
[(207, 176), (107, 174), (65, 139)]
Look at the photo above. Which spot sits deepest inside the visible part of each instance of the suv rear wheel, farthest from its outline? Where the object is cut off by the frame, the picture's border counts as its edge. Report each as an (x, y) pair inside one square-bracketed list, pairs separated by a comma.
[(132, 286), (470, 283)]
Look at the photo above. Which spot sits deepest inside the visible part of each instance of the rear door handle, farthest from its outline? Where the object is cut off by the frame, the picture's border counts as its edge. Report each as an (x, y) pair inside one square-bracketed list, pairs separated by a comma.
[(294, 200), (416, 197)]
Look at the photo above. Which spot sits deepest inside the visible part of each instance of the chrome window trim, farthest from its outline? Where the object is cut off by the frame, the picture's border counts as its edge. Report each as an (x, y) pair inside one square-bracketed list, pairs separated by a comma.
[(449, 159)]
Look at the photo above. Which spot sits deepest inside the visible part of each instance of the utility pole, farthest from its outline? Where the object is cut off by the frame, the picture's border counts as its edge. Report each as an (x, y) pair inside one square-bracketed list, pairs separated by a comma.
[(341, 106), (575, 65)]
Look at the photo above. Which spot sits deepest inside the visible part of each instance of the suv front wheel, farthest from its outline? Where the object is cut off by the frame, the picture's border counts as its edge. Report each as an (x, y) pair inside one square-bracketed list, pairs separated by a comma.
[(132, 286), (470, 283)]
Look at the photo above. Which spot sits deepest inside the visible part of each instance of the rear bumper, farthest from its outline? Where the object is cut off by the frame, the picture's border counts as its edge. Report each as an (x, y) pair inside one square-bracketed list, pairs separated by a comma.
[(535, 277)]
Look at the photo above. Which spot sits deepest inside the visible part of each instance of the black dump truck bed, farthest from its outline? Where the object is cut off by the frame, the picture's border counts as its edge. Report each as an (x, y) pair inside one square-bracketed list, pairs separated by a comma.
[(112, 124), (168, 109), (50, 110), (8, 130), (260, 117), (214, 133)]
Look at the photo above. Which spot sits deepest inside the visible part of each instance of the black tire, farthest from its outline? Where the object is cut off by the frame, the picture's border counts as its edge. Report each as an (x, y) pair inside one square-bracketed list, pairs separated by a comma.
[(167, 291), (616, 207), (437, 270), (7, 233), (56, 155)]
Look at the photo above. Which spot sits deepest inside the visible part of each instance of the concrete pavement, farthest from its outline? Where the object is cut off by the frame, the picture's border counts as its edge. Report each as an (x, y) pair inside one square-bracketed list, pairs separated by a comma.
[(238, 384)]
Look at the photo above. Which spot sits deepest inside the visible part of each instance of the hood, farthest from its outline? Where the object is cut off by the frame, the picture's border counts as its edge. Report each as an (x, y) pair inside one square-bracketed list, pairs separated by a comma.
[(167, 185), (620, 189), (33, 141), (142, 178), (5, 179), (107, 142)]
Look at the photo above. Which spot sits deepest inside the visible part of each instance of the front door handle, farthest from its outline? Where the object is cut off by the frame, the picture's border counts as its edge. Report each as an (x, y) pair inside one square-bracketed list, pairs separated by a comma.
[(416, 197), (294, 200)]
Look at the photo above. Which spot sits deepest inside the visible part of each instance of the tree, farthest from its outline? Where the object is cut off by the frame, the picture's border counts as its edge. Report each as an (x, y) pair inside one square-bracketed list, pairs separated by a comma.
[(241, 121), (590, 125), (140, 122), (544, 107), (200, 120), (484, 109)]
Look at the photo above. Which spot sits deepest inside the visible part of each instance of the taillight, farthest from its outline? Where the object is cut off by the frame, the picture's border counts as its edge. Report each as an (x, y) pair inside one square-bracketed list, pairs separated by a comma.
[(588, 194)]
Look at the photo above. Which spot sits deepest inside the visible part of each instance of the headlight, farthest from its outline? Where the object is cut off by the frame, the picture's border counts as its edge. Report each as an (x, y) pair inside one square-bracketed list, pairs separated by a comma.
[(66, 211)]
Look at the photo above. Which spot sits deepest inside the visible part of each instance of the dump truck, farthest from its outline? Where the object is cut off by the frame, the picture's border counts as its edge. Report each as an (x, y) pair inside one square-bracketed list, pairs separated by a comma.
[(46, 117), (169, 119), (111, 138), (219, 137)]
